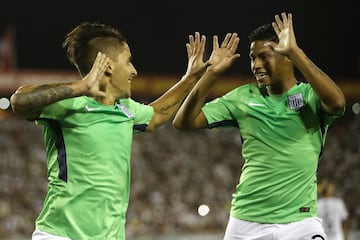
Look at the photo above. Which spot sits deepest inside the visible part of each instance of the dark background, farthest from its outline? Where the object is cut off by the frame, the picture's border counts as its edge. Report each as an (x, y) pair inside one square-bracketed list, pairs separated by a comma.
[(158, 30)]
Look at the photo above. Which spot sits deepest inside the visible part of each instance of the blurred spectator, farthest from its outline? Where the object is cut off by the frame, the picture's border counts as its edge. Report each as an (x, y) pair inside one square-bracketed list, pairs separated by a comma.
[(332, 210), (8, 60)]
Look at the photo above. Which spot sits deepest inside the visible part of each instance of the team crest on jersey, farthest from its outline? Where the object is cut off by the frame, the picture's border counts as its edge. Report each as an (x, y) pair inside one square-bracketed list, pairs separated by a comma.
[(125, 110), (296, 101)]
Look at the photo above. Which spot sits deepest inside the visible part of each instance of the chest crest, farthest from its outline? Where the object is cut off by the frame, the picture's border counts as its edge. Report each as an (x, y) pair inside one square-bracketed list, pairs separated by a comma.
[(296, 101)]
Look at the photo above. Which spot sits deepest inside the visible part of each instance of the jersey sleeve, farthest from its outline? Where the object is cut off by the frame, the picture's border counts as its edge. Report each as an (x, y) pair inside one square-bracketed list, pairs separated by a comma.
[(326, 117), (217, 112), (142, 115)]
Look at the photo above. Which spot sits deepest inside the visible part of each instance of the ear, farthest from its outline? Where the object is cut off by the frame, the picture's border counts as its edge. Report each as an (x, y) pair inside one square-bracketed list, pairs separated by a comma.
[(287, 61), (109, 70)]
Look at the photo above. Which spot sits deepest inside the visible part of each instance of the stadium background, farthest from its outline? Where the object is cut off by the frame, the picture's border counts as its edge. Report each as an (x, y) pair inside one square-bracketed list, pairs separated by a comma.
[(173, 172)]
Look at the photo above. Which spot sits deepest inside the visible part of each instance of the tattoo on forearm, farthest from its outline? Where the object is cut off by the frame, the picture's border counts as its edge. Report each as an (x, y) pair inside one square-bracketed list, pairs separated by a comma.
[(164, 109), (47, 94)]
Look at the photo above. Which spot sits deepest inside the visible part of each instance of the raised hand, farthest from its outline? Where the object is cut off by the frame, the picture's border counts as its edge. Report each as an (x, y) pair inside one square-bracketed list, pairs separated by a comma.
[(284, 29), (195, 50), (222, 57), (92, 79)]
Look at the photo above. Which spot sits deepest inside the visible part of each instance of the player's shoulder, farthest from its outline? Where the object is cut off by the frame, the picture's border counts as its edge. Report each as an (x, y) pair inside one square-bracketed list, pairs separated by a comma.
[(303, 86), (246, 88)]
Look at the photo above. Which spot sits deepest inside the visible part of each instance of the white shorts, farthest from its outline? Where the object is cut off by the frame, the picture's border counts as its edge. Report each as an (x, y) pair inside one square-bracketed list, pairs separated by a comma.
[(40, 235), (308, 229)]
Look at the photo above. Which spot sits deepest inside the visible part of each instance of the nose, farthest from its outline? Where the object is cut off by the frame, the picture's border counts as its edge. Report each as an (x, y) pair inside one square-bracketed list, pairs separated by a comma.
[(134, 72), (257, 63)]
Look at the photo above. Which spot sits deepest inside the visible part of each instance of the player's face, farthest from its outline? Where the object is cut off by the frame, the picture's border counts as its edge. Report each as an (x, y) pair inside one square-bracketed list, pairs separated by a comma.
[(265, 63), (122, 73)]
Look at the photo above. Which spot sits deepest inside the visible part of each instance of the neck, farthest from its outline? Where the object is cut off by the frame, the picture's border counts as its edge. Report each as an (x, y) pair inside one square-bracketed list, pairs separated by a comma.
[(281, 86), (107, 100)]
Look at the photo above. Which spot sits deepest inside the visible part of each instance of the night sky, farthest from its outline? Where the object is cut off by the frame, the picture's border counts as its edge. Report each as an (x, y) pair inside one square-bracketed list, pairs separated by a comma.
[(158, 30)]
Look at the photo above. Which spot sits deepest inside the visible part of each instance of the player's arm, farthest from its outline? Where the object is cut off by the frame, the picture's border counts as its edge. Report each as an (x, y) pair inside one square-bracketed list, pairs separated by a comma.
[(28, 101), (167, 104), (190, 115), (331, 97)]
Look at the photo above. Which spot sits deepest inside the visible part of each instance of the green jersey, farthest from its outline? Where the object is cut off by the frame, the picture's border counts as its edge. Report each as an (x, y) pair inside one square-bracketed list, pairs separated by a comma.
[(283, 136), (88, 149)]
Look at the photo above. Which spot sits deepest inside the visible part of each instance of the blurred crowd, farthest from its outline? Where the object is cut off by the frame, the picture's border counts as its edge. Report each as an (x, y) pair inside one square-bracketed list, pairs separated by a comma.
[(173, 173)]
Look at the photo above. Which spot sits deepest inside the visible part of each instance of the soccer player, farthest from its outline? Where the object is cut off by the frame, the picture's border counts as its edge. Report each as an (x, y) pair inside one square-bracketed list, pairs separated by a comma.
[(88, 127), (283, 124)]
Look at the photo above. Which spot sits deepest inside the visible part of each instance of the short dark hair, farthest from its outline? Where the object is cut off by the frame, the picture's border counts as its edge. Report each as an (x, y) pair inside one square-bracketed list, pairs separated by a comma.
[(85, 40), (263, 33)]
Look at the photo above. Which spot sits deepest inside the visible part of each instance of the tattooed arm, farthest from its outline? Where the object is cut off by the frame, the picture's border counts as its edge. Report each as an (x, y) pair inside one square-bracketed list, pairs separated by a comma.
[(167, 104), (28, 101)]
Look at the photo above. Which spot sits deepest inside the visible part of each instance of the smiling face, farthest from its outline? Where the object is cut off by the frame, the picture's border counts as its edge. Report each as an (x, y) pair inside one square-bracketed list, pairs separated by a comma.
[(266, 65), (122, 72)]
